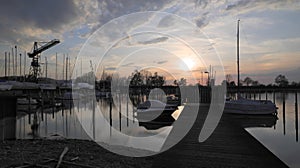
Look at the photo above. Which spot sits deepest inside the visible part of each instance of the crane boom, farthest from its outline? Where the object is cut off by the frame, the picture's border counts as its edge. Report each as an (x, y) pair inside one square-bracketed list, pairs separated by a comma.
[(37, 50), (35, 55)]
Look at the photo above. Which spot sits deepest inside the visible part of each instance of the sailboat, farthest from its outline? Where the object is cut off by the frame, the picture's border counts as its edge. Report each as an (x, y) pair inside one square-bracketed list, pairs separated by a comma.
[(247, 106)]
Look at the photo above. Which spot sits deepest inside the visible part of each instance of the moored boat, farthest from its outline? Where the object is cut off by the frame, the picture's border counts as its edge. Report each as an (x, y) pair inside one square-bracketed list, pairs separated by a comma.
[(154, 110)]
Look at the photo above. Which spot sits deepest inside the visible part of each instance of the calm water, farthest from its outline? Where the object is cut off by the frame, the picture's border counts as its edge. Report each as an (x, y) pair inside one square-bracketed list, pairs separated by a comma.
[(82, 122), (282, 138)]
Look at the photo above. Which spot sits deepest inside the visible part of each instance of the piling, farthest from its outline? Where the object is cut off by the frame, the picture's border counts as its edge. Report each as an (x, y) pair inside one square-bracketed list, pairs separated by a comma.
[(127, 118), (110, 114), (283, 111), (296, 115), (120, 114), (274, 96)]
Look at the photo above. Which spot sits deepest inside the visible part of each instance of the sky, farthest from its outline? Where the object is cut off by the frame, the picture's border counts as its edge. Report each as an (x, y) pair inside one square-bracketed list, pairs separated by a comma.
[(181, 38)]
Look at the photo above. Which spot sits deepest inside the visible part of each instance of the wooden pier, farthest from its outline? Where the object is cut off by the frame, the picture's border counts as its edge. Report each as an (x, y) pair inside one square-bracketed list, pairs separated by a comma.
[(229, 146)]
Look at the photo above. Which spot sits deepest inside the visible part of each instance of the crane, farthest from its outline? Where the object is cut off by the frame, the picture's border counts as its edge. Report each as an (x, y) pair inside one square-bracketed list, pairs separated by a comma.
[(38, 48)]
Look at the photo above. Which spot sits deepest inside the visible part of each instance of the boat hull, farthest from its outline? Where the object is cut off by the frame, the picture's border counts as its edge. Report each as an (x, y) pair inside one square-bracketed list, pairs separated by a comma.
[(149, 115), (255, 107)]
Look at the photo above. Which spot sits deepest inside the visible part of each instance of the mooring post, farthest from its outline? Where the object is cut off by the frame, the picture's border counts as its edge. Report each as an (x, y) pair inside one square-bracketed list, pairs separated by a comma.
[(296, 115), (127, 110), (110, 114), (283, 110), (120, 115), (274, 96)]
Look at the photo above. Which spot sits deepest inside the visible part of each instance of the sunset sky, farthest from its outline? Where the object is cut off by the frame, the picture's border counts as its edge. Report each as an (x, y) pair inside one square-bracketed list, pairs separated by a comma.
[(269, 35)]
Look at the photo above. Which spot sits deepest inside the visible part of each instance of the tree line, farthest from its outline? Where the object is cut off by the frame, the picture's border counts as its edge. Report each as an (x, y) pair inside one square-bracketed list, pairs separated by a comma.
[(280, 81)]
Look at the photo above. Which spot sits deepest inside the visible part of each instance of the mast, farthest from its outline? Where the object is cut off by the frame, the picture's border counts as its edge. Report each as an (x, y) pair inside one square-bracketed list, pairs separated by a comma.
[(5, 64), (20, 64), (8, 63), (238, 56), (16, 59), (56, 66)]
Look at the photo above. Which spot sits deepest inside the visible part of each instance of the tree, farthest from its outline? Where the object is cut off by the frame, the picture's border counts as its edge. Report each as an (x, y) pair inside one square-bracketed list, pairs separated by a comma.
[(281, 80), (248, 81), (255, 83), (137, 79), (140, 78), (228, 78), (182, 82)]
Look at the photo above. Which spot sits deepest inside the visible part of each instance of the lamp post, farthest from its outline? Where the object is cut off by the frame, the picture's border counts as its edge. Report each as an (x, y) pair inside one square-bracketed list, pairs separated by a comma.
[(202, 78)]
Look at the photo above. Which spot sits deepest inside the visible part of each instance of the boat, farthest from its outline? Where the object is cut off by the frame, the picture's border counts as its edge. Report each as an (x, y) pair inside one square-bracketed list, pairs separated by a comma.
[(247, 106), (155, 111)]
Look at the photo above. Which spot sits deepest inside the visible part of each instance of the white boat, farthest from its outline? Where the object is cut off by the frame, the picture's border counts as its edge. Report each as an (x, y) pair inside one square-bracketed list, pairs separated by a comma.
[(246, 106), (155, 110)]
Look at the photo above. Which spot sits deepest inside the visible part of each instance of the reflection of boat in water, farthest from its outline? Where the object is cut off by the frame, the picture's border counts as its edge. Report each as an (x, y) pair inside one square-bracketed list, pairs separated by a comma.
[(245, 106), (27, 105), (30, 101), (252, 121), (154, 113)]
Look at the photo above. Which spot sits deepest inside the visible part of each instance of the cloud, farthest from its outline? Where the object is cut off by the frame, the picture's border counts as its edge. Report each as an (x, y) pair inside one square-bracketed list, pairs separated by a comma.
[(166, 22), (154, 41), (128, 64), (110, 68), (161, 62), (23, 22), (246, 5)]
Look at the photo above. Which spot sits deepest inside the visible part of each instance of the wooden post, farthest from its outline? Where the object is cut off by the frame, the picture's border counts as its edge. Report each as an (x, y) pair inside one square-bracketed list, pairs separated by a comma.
[(120, 115), (274, 97), (127, 110), (94, 129), (296, 115), (42, 104), (110, 114), (283, 110)]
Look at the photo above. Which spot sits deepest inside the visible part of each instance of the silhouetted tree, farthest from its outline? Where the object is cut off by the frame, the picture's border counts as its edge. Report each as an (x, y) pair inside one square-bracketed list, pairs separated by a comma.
[(255, 83), (281, 80), (182, 82), (137, 79), (248, 81), (140, 78)]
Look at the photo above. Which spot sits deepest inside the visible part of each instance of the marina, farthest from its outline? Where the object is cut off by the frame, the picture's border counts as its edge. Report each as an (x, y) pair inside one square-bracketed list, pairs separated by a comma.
[(149, 84), (60, 122)]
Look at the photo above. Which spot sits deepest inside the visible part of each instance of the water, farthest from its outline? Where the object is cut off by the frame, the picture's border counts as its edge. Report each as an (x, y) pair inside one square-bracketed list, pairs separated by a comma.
[(82, 121), (282, 138)]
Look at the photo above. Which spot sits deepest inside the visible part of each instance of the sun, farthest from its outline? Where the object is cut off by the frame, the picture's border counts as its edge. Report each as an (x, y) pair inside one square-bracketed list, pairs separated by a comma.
[(189, 62)]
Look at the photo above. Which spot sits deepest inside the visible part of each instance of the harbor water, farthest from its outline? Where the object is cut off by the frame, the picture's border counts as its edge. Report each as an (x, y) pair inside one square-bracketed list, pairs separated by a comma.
[(76, 121)]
